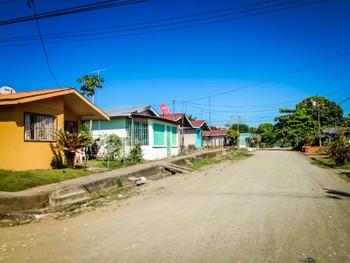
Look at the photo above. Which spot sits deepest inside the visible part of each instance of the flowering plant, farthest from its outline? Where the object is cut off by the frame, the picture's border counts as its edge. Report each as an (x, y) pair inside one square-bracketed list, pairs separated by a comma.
[(340, 150)]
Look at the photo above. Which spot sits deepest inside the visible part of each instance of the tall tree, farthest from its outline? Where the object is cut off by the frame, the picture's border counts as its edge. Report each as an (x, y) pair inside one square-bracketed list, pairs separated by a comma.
[(88, 88), (191, 117), (305, 123), (267, 134), (90, 82), (241, 128)]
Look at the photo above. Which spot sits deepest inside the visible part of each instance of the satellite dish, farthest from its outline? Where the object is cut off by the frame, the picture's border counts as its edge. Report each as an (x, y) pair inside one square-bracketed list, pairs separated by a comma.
[(6, 90), (164, 109)]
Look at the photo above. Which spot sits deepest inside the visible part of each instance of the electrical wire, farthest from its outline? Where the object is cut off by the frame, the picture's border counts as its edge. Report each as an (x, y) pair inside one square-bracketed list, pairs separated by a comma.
[(275, 77), (71, 10), (43, 46), (7, 2), (188, 24)]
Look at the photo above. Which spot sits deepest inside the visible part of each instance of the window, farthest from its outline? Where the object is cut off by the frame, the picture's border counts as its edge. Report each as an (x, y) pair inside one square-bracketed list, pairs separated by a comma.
[(71, 126), (138, 130), (173, 136), (158, 138), (38, 127)]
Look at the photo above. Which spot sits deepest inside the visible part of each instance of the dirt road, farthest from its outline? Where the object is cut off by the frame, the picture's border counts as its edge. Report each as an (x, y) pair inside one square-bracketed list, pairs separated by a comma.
[(272, 207)]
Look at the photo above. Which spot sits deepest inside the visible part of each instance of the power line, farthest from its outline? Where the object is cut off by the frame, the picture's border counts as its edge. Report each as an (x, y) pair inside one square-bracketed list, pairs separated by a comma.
[(7, 2), (276, 77), (43, 46), (188, 24), (71, 10)]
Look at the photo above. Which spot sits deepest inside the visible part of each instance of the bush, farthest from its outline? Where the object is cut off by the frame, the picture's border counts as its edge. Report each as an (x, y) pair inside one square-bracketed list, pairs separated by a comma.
[(135, 155), (339, 150), (113, 146)]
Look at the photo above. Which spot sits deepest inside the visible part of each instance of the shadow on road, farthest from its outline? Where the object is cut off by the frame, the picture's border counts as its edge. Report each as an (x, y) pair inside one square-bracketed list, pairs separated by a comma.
[(335, 194)]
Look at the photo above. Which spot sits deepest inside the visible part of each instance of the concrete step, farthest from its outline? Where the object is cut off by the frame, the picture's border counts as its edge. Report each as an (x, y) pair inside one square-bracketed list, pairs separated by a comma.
[(181, 167), (174, 169), (69, 195)]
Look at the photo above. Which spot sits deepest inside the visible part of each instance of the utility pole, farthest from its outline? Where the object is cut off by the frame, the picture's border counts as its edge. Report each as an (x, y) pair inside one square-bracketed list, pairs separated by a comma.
[(98, 76), (99, 98), (238, 122), (316, 103), (209, 110), (173, 109)]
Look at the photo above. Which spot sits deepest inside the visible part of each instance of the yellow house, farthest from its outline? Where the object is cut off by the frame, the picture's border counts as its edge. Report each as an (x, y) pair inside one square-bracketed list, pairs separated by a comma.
[(29, 119)]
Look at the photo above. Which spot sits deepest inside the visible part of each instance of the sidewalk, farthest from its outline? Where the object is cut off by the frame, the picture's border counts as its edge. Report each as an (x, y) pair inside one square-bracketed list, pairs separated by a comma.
[(56, 196)]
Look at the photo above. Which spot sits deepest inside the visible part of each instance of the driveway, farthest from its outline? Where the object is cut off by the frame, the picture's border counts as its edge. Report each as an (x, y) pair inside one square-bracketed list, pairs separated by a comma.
[(272, 207)]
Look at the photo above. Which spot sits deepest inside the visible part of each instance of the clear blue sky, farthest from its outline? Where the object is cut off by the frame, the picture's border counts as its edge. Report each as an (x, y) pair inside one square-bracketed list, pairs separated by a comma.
[(242, 60)]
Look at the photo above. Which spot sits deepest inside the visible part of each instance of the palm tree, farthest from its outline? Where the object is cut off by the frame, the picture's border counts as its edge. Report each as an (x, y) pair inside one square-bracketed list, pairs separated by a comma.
[(89, 84), (71, 143)]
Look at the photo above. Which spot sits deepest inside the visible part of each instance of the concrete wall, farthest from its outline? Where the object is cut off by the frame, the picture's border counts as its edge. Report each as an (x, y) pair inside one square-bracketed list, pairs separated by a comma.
[(18, 154), (190, 137), (151, 151)]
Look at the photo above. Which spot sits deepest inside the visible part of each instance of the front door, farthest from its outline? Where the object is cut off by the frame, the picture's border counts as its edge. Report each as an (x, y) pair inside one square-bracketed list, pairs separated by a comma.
[(198, 137)]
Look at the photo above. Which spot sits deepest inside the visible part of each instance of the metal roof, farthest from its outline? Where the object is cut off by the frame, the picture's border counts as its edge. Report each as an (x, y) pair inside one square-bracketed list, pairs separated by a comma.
[(128, 110)]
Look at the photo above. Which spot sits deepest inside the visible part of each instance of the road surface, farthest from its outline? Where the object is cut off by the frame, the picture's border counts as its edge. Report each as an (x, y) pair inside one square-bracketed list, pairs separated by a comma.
[(272, 207)]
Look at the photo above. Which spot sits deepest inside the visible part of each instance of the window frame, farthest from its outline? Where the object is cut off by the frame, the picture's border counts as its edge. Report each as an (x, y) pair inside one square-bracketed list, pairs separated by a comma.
[(31, 135)]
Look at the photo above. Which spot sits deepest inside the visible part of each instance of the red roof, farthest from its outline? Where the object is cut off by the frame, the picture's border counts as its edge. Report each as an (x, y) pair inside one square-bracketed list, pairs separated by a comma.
[(215, 133), (172, 117)]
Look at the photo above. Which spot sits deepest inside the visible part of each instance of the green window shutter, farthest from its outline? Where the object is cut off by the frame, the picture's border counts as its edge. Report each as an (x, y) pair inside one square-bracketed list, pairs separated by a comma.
[(159, 130), (173, 136)]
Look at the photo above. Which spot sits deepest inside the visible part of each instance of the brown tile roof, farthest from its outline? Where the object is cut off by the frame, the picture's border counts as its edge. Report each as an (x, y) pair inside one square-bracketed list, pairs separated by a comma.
[(175, 117), (72, 98), (29, 94)]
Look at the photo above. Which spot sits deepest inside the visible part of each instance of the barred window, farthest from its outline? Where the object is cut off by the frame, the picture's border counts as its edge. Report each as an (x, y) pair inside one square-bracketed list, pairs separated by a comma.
[(38, 127), (158, 138), (138, 130)]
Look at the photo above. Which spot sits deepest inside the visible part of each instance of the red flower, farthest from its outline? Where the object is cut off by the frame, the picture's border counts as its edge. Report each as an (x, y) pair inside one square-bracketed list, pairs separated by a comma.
[(343, 155), (335, 150)]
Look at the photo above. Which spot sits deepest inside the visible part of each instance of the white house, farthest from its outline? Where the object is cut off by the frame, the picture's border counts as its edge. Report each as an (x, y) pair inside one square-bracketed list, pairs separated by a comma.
[(158, 136)]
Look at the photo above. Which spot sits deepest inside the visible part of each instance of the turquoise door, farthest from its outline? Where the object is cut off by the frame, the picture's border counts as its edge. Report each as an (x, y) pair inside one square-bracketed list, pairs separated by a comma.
[(198, 137), (168, 140)]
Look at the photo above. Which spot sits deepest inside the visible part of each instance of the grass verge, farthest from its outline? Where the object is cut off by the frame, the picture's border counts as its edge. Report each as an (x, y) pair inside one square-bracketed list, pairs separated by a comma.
[(11, 181)]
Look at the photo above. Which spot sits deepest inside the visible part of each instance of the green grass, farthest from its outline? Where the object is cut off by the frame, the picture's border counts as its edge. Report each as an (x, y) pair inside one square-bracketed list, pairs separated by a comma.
[(327, 161), (113, 164), (197, 164), (16, 181)]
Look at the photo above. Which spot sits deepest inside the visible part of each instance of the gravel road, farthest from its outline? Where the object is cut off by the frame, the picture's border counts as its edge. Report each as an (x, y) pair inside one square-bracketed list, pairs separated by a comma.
[(272, 207)]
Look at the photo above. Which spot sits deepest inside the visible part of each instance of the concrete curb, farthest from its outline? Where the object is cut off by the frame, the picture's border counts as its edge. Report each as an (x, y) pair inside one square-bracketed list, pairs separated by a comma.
[(57, 196)]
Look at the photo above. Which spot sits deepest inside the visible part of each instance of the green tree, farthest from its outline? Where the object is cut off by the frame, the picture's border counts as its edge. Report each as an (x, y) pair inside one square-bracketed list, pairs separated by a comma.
[(71, 143), (191, 117), (294, 128), (88, 88), (113, 146), (232, 136), (301, 125), (331, 114), (243, 128), (267, 134)]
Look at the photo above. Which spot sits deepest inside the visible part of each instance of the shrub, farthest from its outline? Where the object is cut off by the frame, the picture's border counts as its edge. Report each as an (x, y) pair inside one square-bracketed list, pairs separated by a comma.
[(135, 155), (339, 150)]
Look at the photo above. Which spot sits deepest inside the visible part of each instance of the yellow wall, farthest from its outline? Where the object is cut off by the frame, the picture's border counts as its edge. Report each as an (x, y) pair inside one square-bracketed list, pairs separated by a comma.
[(17, 154)]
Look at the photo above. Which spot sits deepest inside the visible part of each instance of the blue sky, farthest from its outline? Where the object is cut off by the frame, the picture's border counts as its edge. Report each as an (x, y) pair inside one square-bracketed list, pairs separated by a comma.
[(237, 60)]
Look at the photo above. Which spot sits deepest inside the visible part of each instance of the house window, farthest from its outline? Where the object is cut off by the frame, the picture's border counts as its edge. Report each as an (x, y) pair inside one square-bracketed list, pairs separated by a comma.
[(138, 130), (158, 138), (38, 127), (173, 136), (71, 126)]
